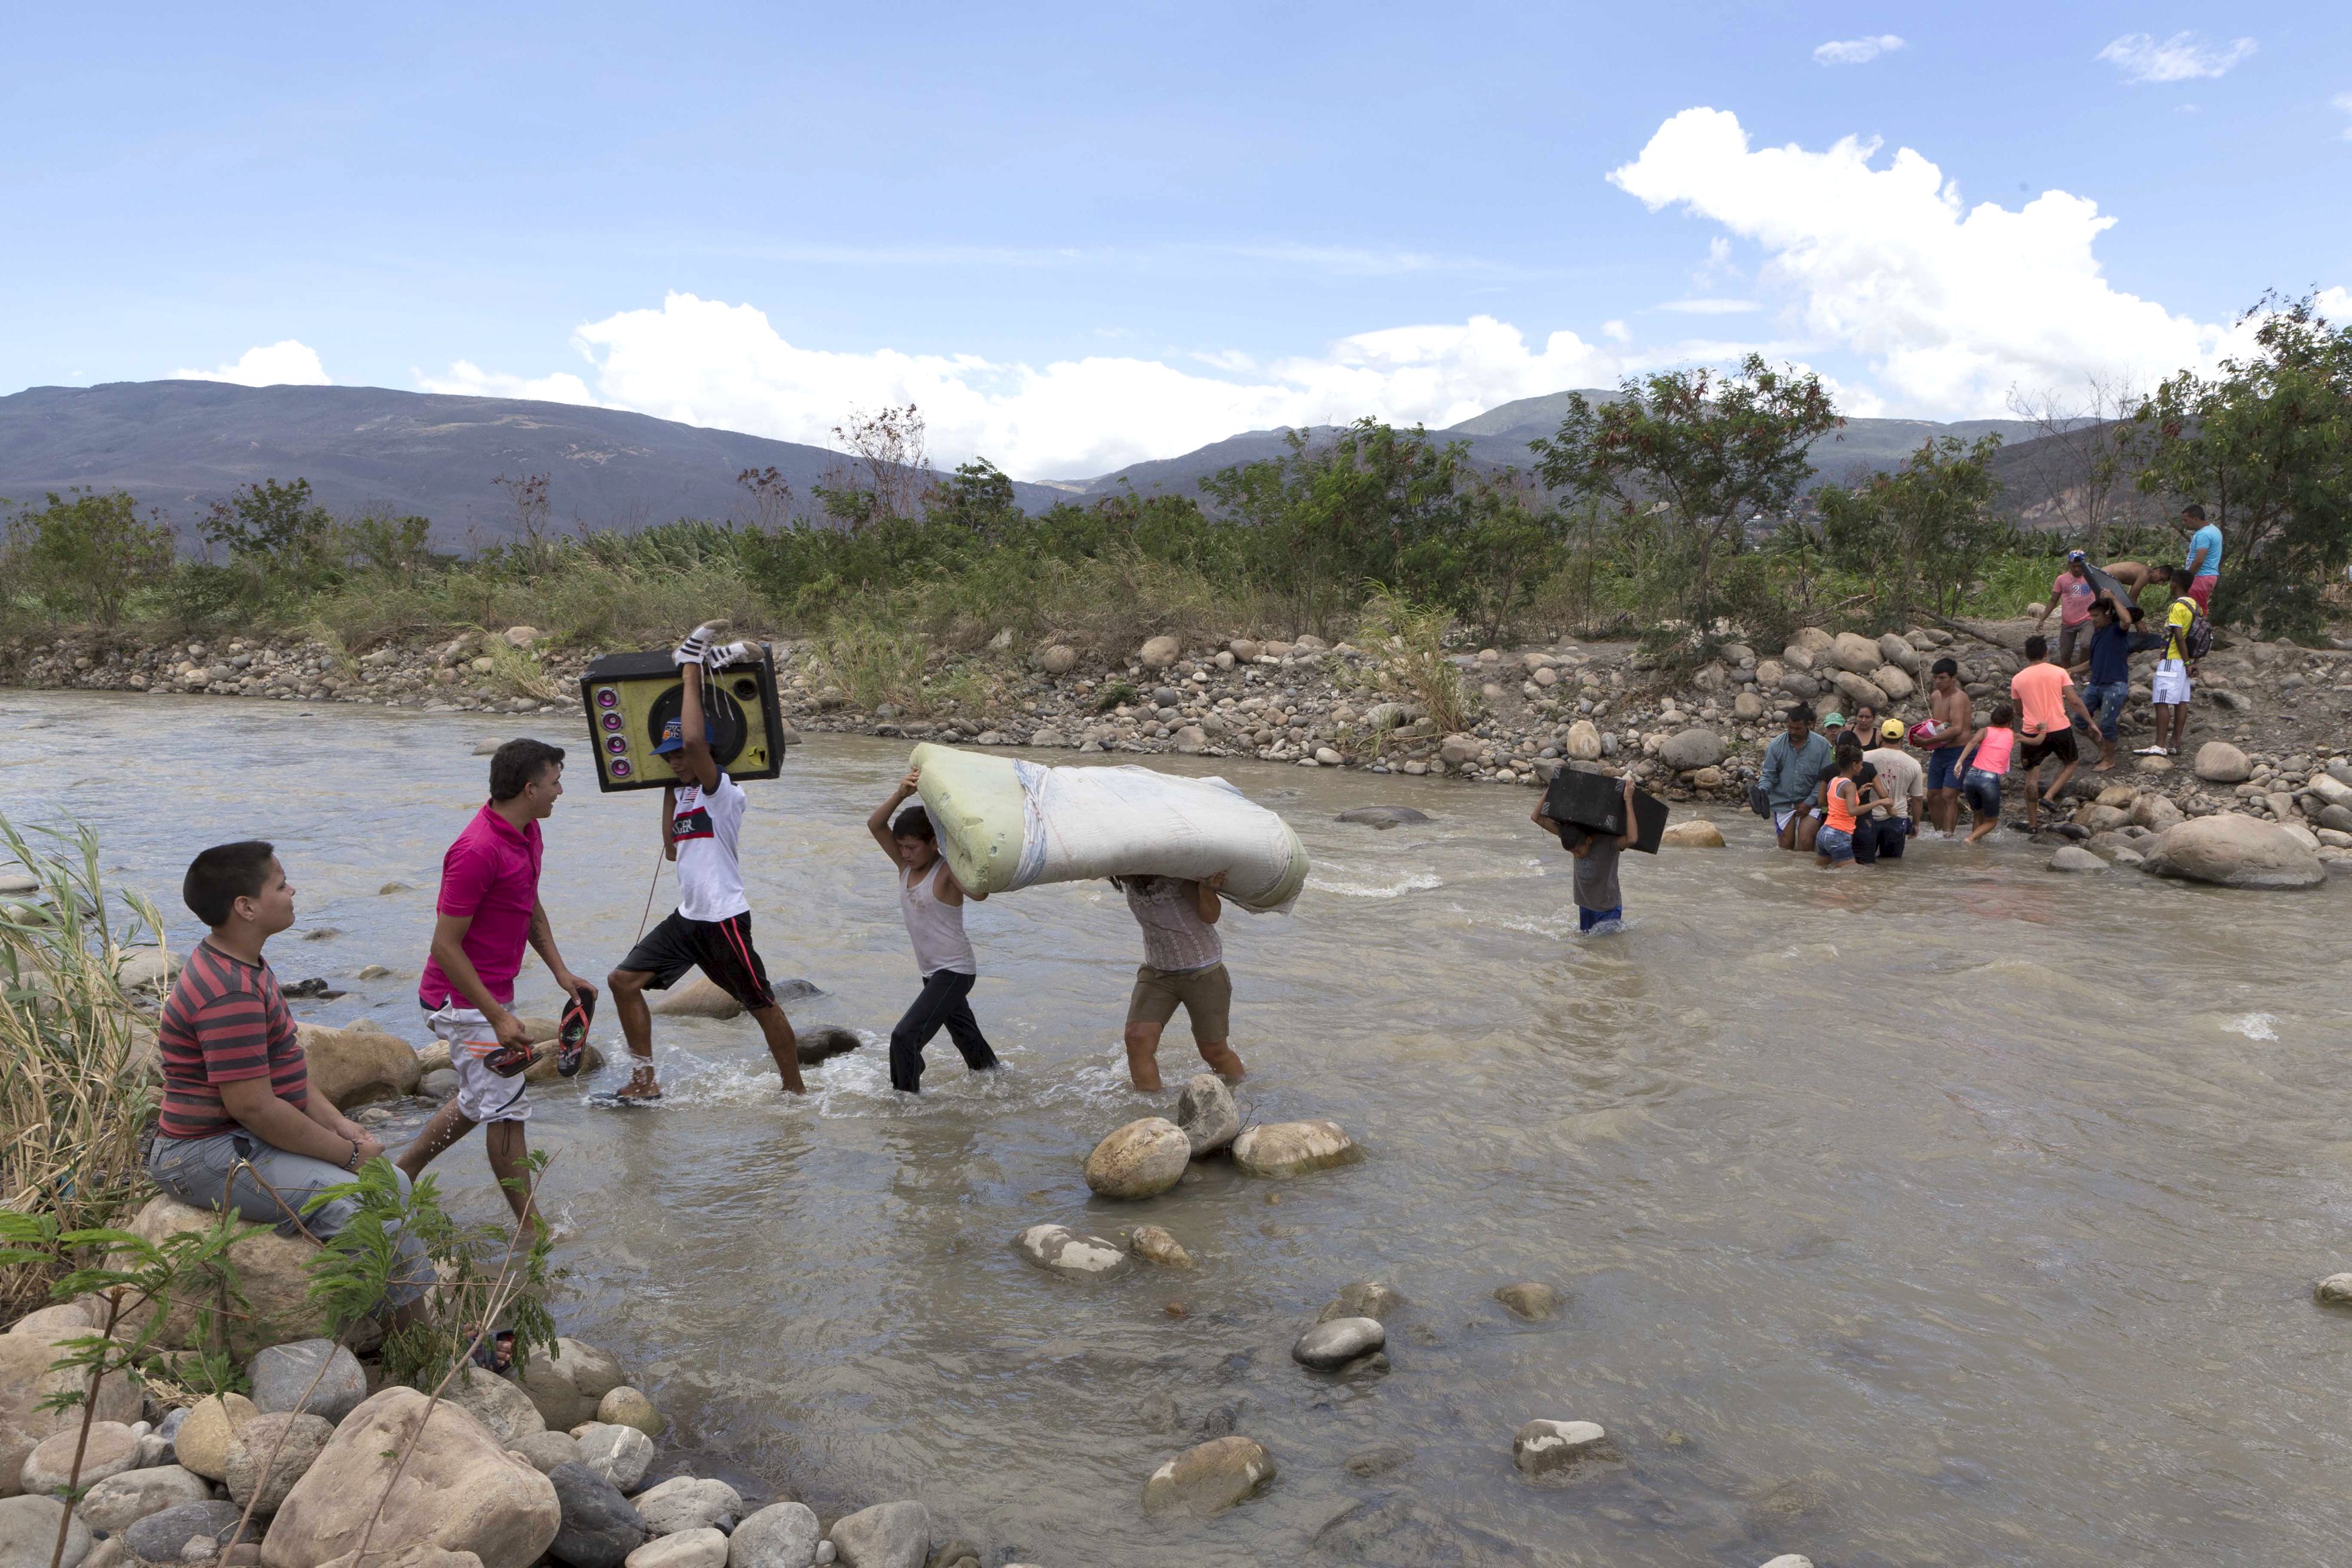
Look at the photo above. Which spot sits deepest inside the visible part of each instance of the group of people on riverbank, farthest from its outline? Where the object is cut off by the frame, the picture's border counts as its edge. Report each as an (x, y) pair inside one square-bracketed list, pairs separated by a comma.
[(241, 1130)]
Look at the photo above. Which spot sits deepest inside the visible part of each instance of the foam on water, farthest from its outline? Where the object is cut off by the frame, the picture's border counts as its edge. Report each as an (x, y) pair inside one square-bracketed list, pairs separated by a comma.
[(2254, 1026), (1412, 882)]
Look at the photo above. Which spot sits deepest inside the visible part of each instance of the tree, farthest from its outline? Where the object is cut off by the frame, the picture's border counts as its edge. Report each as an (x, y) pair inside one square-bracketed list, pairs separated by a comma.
[(977, 498), (1917, 534), (1720, 454), (1512, 541), (771, 496), (2083, 457), (888, 474), (86, 553), (2265, 446), (273, 525)]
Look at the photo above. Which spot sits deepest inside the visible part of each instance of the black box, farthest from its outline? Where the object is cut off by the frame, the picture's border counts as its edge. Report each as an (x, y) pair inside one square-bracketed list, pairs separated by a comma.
[(1596, 802), (631, 698)]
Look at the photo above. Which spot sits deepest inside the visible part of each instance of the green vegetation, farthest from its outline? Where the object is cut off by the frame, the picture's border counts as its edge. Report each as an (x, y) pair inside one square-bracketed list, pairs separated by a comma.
[(1677, 510)]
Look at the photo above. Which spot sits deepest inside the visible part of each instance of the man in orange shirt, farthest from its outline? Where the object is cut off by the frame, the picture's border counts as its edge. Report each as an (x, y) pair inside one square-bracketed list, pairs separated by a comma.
[(2044, 692)]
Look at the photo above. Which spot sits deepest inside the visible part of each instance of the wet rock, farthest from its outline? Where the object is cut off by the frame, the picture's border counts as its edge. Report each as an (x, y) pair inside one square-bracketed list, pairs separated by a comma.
[(781, 1535), (1158, 1411), (624, 1406), (281, 1378), (1789, 1559), (1391, 1530), (441, 1083), (1333, 1343), (822, 1042), (620, 1454), (1544, 1447), (168, 1535), (685, 1503), (1530, 1301), (1692, 747), (111, 1450), (1154, 1245), (2219, 762), (1383, 816), (211, 1425), (255, 1475), (1207, 1114), (2231, 850), (1364, 1299), (1292, 1148), (2336, 1291), (700, 997), (1142, 1159), (502, 1407), (1377, 1460), (598, 1528), (567, 1386), (117, 1502), (888, 1535), (545, 1450), (2073, 857), (703, 1548), (1210, 1478), (1061, 1250), (1692, 833)]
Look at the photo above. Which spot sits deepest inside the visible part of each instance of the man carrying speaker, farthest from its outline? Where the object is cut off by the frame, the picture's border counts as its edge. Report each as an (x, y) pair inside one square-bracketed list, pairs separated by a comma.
[(711, 927)]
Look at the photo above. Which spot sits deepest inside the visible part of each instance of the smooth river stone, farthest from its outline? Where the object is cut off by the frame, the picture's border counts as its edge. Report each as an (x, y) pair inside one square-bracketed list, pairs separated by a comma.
[(1531, 1301), (1364, 1299), (1292, 1148), (1155, 1245), (1142, 1159), (686, 1503), (888, 1535), (281, 1378), (1064, 1251), (1206, 1113), (2336, 1291), (112, 1448), (1542, 1447), (780, 1535), (1327, 1346), (1210, 1478), (28, 1533), (117, 1502)]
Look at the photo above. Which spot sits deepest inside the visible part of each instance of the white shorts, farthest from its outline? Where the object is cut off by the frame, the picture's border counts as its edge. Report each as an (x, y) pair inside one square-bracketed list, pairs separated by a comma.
[(2170, 685), (1781, 815), (482, 1094)]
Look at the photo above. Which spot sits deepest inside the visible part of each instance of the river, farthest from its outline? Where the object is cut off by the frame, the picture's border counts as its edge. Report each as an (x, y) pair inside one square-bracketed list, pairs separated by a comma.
[(1954, 1213)]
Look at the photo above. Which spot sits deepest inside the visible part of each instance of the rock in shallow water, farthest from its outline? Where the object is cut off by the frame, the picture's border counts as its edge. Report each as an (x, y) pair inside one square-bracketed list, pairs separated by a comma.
[(625, 1406), (1210, 1478), (2073, 857), (2232, 851), (1692, 833), (1064, 1251), (1155, 1245), (821, 1043), (1142, 1159), (2336, 1291), (686, 1503), (1206, 1113), (1529, 1301), (780, 1535), (1364, 1299), (1377, 1460), (599, 1529), (888, 1535), (1332, 1345), (1383, 816), (1543, 1448), (1292, 1148)]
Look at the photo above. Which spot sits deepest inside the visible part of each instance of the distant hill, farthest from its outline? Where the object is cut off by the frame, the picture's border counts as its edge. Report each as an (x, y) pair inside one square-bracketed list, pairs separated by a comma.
[(180, 445)]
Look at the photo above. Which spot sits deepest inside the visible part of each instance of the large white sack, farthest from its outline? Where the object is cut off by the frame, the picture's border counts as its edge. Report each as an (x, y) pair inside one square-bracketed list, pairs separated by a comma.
[(1005, 824)]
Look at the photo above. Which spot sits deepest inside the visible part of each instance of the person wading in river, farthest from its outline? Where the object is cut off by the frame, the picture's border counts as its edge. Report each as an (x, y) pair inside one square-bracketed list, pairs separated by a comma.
[(488, 911), (2049, 706), (711, 929), (1954, 721), (931, 901), (1184, 965), (1598, 898), (1790, 779)]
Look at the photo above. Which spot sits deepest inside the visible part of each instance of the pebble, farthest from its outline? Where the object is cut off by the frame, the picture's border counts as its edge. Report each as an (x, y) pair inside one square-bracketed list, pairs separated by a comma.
[(1334, 1343), (2336, 1291), (1543, 1448), (624, 1406), (1155, 1245), (1530, 1301)]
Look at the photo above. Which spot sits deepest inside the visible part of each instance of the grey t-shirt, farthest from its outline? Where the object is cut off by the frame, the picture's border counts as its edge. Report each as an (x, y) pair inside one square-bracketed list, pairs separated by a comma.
[(1596, 874)]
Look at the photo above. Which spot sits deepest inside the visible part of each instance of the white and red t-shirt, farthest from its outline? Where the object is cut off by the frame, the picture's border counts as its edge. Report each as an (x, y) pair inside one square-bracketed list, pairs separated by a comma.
[(702, 827)]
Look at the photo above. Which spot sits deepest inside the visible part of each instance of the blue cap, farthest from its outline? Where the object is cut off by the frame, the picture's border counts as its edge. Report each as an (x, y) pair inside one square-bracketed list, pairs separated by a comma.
[(674, 736)]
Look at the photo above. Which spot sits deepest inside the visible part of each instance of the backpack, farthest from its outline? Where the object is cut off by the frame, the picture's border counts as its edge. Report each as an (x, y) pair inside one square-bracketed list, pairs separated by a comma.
[(2200, 639)]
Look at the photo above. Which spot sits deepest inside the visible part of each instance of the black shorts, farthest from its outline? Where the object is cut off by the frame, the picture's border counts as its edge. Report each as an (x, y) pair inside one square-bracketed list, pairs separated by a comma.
[(721, 949), (2058, 743)]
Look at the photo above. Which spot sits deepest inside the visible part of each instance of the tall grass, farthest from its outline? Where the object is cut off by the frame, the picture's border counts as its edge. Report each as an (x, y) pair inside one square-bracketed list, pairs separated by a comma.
[(75, 1098)]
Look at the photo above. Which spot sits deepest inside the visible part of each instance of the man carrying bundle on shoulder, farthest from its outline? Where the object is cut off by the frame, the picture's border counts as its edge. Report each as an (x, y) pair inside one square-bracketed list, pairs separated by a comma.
[(711, 927)]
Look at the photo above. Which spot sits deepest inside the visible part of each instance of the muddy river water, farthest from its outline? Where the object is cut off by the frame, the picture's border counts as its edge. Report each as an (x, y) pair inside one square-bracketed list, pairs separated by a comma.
[(1958, 1213)]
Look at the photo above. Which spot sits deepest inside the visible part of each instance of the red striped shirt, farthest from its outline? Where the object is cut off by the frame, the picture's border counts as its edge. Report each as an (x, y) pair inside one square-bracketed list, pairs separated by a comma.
[(226, 1021)]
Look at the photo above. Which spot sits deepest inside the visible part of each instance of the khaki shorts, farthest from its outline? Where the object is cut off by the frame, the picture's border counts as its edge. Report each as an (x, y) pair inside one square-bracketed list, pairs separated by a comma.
[(1206, 996)]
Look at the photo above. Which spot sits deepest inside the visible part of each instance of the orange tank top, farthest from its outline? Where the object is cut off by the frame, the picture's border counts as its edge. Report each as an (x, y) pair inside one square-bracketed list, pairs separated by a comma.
[(1840, 805)]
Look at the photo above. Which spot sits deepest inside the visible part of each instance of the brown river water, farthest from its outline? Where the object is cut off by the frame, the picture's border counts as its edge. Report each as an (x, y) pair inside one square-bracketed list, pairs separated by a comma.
[(1954, 1213)]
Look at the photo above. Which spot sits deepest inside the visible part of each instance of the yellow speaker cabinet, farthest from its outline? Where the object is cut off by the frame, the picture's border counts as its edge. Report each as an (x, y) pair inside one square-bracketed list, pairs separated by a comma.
[(631, 698)]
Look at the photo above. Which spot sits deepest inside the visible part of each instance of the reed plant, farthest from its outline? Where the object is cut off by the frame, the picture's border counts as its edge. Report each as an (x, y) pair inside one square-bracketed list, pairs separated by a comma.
[(1408, 665), (75, 1096)]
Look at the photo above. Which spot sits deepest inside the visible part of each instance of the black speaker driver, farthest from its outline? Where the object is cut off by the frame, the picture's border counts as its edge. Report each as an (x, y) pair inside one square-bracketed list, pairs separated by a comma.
[(724, 713)]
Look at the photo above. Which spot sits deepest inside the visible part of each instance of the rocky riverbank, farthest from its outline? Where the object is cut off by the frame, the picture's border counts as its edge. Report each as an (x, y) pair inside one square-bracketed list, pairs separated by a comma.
[(1695, 736)]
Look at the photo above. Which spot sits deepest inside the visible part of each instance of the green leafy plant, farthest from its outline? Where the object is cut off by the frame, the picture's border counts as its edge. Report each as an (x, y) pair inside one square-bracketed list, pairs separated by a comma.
[(84, 553), (1408, 663)]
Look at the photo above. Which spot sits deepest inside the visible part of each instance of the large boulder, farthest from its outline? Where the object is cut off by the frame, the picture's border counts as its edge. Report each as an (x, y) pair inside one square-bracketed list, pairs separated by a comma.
[(352, 1066), (1292, 1148), (600, 1528), (117, 1502), (272, 1271), (1059, 1249), (317, 1376), (1859, 655), (567, 1385), (1857, 689), (505, 1411), (1692, 833), (2232, 851), (460, 1490), (620, 1454), (1898, 652), (26, 1380), (1583, 741), (780, 1535), (1210, 1478), (1142, 1159), (688, 1502), (270, 1455), (1206, 1112), (700, 997), (109, 1448), (888, 1535), (1692, 747), (1895, 682), (2154, 812), (2219, 762), (1159, 652), (407, 1557), (209, 1430), (28, 1533)]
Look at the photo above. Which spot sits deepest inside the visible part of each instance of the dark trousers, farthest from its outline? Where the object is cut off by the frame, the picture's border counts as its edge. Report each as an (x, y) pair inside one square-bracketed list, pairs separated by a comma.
[(1880, 836), (946, 999)]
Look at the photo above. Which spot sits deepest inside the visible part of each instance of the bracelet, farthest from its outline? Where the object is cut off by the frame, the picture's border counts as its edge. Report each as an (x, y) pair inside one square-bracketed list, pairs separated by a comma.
[(353, 1162)]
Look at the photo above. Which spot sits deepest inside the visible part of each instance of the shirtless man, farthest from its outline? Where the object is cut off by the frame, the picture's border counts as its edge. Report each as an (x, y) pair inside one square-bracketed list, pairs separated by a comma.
[(1949, 710)]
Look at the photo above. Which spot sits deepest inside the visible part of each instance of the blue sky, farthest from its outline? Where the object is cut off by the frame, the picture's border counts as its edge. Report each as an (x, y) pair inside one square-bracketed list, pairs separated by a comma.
[(1080, 236)]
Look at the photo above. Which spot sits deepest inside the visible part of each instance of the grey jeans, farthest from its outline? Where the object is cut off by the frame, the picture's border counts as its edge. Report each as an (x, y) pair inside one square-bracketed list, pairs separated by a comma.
[(271, 1185)]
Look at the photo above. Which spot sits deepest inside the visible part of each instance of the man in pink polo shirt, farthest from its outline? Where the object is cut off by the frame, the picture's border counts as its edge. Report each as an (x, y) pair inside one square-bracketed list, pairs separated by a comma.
[(488, 911)]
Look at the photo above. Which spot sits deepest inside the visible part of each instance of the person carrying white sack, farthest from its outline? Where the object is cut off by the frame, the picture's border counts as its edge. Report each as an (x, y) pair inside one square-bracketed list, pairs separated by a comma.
[(1183, 965)]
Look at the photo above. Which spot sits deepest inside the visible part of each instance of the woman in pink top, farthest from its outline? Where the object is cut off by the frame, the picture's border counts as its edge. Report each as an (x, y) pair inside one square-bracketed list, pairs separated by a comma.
[(1982, 763)]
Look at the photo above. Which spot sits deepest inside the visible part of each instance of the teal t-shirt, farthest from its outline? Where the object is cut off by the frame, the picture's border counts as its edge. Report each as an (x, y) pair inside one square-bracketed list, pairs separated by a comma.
[(2208, 540)]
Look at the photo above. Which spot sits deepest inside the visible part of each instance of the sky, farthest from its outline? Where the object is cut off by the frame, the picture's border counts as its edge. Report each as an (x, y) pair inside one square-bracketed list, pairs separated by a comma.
[(1079, 237)]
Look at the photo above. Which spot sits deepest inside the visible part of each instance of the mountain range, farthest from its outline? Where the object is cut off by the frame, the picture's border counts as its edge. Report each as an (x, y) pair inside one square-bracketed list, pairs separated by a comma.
[(180, 445)]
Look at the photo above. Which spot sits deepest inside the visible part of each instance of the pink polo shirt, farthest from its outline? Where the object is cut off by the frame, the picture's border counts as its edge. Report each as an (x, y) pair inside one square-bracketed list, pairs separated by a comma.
[(491, 874)]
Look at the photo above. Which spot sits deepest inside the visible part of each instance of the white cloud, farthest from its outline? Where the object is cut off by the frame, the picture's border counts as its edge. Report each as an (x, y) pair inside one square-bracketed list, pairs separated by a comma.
[(2184, 57), (1711, 307), (706, 362), (1952, 306), (2343, 101), (467, 379), (1856, 51), (283, 364)]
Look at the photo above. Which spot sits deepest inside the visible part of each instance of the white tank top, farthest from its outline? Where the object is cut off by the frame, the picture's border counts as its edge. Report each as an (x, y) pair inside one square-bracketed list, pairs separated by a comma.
[(936, 930)]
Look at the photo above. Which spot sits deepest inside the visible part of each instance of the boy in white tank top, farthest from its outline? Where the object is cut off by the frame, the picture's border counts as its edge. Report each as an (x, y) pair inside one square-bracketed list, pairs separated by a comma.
[(933, 902)]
